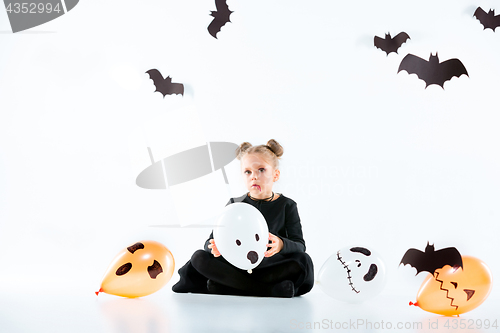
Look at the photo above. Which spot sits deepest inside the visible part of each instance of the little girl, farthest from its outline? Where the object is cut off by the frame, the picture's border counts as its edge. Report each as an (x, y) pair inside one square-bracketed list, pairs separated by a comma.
[(286, 269)]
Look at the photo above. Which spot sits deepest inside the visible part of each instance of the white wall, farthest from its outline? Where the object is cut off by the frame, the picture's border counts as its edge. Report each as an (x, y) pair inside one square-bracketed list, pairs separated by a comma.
[(371, 157)]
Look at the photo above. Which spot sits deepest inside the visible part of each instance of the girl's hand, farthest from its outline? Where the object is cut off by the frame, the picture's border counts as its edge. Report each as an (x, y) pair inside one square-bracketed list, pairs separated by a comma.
[(212, 246), (274, 247)]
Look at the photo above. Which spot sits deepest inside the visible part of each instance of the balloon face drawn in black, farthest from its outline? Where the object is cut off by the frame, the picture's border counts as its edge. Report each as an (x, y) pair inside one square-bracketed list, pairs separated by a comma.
[(358, 266)]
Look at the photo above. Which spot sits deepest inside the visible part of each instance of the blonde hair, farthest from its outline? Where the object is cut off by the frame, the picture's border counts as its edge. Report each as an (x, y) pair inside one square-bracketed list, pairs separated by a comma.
[(271, 152)]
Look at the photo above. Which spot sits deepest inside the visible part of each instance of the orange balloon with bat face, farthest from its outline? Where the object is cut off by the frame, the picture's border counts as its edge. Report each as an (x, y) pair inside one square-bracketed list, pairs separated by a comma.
[(453, 291), (139, 270)]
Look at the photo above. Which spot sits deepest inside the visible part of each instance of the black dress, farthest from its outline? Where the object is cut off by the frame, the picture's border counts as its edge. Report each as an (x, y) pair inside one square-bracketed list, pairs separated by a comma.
[(290, 264)]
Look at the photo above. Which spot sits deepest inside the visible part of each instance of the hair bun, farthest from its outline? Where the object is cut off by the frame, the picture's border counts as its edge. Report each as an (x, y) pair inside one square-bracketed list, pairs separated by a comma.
[(242, 149), (275, 147)]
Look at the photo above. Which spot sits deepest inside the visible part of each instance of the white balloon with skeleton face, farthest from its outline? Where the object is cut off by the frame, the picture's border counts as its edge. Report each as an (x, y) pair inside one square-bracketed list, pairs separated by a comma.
[(241, 235), (353, 274)]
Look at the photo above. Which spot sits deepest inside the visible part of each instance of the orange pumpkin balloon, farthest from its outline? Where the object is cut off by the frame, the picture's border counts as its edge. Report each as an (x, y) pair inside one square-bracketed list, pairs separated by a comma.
[(139, 270), (453, 291)]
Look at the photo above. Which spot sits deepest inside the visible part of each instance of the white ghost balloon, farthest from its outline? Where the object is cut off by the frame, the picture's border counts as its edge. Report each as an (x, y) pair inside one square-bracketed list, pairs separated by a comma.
[(241, 235), (353, 274)]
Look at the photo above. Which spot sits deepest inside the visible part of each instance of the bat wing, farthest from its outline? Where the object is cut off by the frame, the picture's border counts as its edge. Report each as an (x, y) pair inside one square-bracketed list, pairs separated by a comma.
[(496, 22), (481, 15), (400, 38), (450, 68), (380, 43), (222, 8), (415, 258), (156, 76), (448, 256), (215, 26), (177, 88), (158, 80), (415, 65), (490, 21), (221, 17)]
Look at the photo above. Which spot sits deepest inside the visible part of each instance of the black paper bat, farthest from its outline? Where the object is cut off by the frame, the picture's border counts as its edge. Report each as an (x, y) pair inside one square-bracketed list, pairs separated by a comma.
[(221, 17), (430, 260), (488, 20), (390, 44), (165, 86), (432, 71)]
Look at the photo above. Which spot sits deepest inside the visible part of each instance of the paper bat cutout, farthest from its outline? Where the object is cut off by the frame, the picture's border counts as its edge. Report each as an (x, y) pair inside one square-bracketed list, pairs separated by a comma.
[(488, 20), (430, 260), (390, 44), (432, 71), (165, 86), (221, 17)]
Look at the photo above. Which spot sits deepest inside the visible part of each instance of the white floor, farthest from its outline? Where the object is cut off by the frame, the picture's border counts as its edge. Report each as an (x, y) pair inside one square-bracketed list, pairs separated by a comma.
[(166, 311)]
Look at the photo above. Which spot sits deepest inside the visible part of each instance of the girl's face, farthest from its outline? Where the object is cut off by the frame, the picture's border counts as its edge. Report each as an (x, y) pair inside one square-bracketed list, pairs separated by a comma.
[(259, 175)]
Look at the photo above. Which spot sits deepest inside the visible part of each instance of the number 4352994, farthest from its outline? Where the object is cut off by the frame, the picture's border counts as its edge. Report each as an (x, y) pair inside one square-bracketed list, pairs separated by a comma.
[(32, 8), (470, 324)]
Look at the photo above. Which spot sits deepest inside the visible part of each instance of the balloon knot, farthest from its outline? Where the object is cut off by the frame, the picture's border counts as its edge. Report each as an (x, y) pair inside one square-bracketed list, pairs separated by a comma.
[(411, 303), (97, 292)]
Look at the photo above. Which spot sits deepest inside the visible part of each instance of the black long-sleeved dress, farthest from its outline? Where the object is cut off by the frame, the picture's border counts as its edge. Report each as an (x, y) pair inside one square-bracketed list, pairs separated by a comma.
[(283, 220)]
